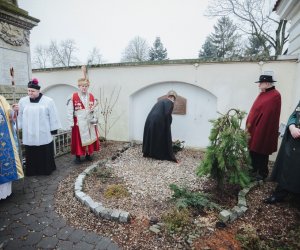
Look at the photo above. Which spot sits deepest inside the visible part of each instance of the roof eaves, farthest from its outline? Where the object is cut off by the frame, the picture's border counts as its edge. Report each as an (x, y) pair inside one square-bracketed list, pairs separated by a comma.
[(276, 5)]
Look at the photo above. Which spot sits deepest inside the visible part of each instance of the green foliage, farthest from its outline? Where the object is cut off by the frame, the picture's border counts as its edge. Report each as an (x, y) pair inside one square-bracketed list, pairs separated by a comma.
[(223, 42), (158, 52), (258, 46), (185, 198), (177, 146), (227, 157), (116, 191), (103, 174), (249, 239), (175, 219), (209, 50)]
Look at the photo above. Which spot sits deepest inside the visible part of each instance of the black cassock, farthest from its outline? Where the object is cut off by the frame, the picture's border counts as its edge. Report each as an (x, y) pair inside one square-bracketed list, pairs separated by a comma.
[(286, 171), (157, 139)]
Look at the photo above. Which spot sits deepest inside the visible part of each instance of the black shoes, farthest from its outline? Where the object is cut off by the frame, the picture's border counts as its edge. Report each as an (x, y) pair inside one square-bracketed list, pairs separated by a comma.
[(260, 178), (272, 200), (88, 158), (77, 159)]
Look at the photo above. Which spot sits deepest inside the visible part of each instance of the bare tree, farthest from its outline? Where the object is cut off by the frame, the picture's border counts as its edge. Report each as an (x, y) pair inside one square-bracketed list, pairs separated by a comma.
[(254, 20), (41, 57), (95, 57), (63, 54), (137, 50), (107, 105)]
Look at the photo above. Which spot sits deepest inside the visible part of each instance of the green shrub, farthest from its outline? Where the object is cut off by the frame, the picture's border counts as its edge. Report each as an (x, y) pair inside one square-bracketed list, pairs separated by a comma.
[(103, 173), (177, 146), (249, 239), (116, 191), (185, 198), (175, 219), (227, 157)]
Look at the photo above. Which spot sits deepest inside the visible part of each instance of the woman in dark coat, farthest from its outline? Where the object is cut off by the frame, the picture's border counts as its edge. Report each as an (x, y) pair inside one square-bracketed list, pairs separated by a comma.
[(286, 171), (157, 138)]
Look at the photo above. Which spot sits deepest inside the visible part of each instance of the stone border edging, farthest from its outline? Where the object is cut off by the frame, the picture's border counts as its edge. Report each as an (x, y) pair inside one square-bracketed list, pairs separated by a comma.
[(241, 207), (122, 216), (97, 207)]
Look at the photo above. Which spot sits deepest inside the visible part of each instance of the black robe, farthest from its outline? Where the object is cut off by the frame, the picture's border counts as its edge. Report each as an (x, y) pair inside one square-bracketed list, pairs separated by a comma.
[(40, 159), (157, 139), (286, 171)]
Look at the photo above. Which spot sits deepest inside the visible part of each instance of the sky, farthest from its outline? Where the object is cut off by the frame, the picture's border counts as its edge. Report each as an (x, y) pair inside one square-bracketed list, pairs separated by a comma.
[(109, 25)]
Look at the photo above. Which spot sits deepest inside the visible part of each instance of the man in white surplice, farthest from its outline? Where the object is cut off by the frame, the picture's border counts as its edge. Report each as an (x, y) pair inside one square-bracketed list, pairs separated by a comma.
[(39, 120)]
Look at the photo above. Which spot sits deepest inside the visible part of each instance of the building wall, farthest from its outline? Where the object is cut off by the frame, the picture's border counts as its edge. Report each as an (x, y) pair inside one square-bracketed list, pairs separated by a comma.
[(290, 10), (15, 26), (208, 87)]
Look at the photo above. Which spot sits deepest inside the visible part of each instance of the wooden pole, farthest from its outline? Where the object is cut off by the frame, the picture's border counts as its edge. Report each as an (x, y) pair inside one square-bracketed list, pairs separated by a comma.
[(12, 74)]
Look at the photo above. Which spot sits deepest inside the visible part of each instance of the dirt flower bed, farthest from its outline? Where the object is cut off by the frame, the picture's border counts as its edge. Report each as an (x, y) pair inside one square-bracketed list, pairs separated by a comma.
[(147, 182)]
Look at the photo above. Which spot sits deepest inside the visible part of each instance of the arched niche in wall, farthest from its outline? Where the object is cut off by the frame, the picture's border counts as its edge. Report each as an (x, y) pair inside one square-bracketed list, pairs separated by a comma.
[(60, 93), (193, 127)]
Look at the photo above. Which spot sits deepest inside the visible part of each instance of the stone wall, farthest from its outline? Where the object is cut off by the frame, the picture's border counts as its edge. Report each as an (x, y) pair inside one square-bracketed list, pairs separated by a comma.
[(13, 94), (15, 26)]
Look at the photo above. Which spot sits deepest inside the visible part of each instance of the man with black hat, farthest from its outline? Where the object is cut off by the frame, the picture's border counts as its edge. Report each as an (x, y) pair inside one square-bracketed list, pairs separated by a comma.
[(157, 138), (38, 119), (263, 124)]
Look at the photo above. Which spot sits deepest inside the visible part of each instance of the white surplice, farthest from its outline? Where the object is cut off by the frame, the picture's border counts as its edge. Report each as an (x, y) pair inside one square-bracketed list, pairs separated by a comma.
[(37, 120)]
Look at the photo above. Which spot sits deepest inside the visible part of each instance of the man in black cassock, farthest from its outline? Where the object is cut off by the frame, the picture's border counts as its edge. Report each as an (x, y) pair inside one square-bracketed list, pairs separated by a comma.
[(286, 171), (157, 139)]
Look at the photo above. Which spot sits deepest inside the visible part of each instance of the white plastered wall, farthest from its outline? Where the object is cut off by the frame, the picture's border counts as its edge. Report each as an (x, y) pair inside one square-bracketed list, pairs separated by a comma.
[(191, 127), (227, 85)]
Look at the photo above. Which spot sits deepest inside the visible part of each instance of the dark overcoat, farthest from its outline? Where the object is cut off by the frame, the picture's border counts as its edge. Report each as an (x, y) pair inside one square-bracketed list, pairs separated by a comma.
[(263, 122), (286, 171), (157, 138)]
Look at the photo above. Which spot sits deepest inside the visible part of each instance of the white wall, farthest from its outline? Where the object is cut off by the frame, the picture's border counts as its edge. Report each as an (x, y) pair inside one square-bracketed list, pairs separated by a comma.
[(61, 93), (201, 106), (208, 88)]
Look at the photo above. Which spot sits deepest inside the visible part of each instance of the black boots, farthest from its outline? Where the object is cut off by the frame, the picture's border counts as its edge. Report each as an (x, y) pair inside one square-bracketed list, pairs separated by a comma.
[(88, 158), (77, 159)]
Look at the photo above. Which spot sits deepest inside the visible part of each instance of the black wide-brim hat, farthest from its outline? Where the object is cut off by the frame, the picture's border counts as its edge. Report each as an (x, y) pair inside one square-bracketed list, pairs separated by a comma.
[(265, 78)]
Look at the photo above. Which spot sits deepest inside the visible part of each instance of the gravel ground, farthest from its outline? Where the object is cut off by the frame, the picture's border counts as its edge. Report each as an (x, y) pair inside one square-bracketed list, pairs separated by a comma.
[(148, 183)]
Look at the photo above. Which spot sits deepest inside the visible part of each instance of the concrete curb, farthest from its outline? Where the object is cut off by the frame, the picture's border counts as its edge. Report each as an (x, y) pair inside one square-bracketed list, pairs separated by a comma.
[(241, 207), (97, 207), (123, 216)]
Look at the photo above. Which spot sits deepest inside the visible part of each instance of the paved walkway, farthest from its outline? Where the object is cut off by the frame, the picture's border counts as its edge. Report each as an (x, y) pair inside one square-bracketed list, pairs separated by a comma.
[(28, 220)]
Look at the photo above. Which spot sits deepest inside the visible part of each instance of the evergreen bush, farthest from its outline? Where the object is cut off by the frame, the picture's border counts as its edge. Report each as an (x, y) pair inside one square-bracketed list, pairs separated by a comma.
[(227, 157), (188, 199)]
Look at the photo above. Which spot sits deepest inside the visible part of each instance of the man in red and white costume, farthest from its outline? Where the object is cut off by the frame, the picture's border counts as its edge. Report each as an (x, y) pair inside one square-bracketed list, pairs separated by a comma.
[(85, 135)]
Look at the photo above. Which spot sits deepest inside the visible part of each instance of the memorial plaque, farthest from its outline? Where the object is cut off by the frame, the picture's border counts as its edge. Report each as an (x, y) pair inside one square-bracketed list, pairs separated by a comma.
[(179, 105)]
